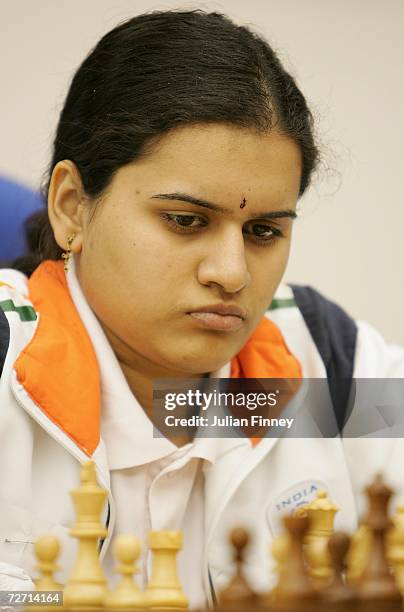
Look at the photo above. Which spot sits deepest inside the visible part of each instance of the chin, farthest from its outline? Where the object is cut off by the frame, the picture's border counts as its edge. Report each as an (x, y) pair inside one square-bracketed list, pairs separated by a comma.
[(202, 366), (198, 358)]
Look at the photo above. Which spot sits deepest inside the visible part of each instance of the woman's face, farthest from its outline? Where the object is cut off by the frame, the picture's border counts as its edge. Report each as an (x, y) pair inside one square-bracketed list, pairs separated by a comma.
[(150, 257)]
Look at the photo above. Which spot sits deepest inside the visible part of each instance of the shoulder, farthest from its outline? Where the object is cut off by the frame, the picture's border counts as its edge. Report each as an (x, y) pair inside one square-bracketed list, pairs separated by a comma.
[(347, 347), (333, 330), (18, 318), (320, 333), (14, 280), (376, 358)]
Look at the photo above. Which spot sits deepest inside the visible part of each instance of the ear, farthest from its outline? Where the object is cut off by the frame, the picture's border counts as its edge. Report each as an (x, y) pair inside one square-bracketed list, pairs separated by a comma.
[(65, 204)]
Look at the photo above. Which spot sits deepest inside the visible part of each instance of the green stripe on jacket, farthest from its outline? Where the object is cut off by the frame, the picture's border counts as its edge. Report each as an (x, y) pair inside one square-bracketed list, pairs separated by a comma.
[(282, 303), (26, 313)]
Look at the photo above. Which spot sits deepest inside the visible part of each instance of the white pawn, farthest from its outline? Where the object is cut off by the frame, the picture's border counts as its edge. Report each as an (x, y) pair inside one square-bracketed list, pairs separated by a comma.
[(47, 550), (358, 554), (164, 589), (127, 595)]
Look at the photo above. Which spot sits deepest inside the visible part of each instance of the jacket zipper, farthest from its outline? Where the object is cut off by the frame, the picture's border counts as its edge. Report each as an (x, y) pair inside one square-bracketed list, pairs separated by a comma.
[(80, 457)]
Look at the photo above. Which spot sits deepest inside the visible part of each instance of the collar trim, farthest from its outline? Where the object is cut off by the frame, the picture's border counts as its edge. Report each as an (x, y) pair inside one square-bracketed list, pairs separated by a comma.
[(61, 344)]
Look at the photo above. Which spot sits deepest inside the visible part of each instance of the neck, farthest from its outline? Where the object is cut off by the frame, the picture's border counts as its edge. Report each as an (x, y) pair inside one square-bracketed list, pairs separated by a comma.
[(140, 372), (141, 386)]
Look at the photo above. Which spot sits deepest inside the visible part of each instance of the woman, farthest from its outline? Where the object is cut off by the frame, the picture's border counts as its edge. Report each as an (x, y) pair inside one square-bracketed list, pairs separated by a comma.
[(181, 152)]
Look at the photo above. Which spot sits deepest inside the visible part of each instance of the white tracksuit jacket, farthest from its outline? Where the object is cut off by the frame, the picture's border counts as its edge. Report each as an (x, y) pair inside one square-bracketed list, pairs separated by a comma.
[(39, 462)]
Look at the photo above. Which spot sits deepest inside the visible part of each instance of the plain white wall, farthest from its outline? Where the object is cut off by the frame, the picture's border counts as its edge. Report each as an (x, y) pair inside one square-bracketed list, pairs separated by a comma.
[(348, 59)]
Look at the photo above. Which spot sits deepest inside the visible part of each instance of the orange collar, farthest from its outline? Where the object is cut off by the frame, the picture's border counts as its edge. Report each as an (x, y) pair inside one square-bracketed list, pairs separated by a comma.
[(59, 368)]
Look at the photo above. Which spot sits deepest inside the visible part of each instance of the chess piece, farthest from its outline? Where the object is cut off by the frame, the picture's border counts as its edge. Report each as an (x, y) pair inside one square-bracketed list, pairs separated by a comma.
[(86, 587), (46, 550), (358, 554), (294, 590), (321, 513), (339, 594), (395, 547), (238, 595), (127, 595), (376, 584), (164, 590), (280, 550)]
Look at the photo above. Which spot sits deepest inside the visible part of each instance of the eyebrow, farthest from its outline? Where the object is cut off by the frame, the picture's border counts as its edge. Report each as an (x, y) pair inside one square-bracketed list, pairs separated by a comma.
[(184, 197)]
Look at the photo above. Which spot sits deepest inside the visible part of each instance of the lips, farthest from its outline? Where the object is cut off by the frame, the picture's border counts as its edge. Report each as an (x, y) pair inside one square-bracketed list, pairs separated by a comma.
[(223, 309), (221, 317)]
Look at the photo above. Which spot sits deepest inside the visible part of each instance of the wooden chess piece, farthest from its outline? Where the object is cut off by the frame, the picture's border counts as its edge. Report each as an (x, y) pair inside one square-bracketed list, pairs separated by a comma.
[(47, 549), (358, 553), (238, 595), (376, 584), (395, 547), (164, 590), (127, 596), (339, 595), (87, 587), (280, 548), (321, 512), (294, 590)]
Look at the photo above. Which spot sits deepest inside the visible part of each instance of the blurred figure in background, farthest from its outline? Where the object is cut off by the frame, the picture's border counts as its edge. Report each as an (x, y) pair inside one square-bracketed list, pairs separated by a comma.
[(17, 204)]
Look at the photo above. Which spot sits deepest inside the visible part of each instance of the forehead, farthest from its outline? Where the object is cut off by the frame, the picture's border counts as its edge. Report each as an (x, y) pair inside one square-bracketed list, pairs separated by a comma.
[(216, 158)]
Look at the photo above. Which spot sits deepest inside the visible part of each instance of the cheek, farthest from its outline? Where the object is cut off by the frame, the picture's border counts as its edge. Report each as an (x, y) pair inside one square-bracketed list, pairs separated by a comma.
[(281, 261), (271, 265), (131, 263), (121, 247), (267, 272)]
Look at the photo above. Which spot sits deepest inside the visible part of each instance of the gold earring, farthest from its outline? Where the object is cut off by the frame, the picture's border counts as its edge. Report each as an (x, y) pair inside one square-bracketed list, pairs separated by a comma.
[(66, 256)]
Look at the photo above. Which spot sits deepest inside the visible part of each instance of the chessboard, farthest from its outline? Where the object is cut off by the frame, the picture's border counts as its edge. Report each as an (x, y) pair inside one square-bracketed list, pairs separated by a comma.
[(318, 569)]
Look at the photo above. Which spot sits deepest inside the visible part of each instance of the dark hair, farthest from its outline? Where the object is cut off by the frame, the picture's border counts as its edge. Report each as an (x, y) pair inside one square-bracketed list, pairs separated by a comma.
[(158, 71)]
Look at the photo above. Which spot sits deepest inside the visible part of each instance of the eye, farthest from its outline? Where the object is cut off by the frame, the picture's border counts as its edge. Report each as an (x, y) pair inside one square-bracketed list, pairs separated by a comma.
[(184, 223), (262, 233)]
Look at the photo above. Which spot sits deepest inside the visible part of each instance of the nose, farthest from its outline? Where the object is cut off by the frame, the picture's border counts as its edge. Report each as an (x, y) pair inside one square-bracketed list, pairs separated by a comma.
[(225, 264)]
